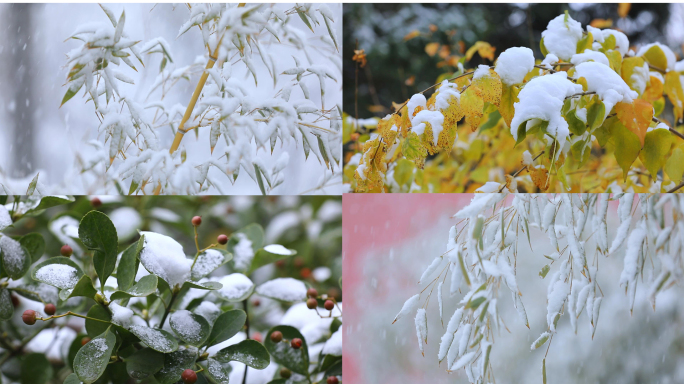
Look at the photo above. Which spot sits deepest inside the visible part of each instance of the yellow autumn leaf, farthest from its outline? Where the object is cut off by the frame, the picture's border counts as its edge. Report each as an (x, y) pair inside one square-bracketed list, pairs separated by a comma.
[(673, 90), (411, 35), (654, 90), (635, 116), (656, 57), (431, 49), (488, 87), (628, 65), (623, 9), (601, 23), (509, 97), (483, 48), (472, 106)]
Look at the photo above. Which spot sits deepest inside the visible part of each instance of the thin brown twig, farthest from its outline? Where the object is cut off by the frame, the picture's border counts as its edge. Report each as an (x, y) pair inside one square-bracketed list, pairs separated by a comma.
[(522, 169)]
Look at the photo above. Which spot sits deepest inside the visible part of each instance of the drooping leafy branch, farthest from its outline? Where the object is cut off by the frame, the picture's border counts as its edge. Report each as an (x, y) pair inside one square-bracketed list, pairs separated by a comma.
[(592, 105)]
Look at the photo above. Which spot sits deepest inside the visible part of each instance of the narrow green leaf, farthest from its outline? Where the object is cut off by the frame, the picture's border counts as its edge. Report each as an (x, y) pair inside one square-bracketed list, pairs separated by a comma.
[(129, 264), (544, 271), (32, 185), (207, 285), (305, 19), (260, 181), (6, 307), (249, 352), (330, 32), (544, 371)]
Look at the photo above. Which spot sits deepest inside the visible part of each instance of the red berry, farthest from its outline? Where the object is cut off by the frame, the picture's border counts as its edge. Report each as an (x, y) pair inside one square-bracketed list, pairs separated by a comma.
[(85, 340), (311, 303), (332, 380), (15, 301), (257, 337), (280, 264), (305, 273), (96, 202), (296, 343), (285, 373), (276, 336), (256, 302), (329, 305), (196, 221), (189, 376), (66, 250), (312, 292), (222, 239), (29, 317), (50, 309)]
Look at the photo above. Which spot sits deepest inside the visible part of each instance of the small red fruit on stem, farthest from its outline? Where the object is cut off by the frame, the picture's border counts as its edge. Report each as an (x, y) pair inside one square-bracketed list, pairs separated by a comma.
[(189, 376), (285, 373), (66, 250), (196, 221), (222, 239), (332, 380), (256, 336), (85, 340), (29, 317), (312, 292), (277, 337), (296, 343), (96, 202), (311, 303), (50, 309), (329, 305)]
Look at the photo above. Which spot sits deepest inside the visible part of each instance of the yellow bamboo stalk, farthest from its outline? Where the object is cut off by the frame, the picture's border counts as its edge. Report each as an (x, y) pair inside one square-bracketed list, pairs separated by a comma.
[(191, 106)]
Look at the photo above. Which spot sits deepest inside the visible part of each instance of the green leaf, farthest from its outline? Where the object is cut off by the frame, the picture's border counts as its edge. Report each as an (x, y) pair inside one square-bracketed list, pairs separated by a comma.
[(330, 32), (94, 327), (226, 326), (98, 233), (191, 328), (322, 148), (305, 19), (335, 370), (259, 177), (73, 350), (71, 92), (249, 352), (580, 152), (674, 167), (6, 306), (473, 304), (32, 185), (34, 243), (542, 48), (627, 146), (16, 260), (55, 271), (49, 202), (175, 363), (270, 254), (129, 264), (207, 285), (403, 172), (656, 147), (576, 125), (412, 148), (596, 112), (297, 360), (541, 340), (545, 270), (217, 372), (157, 339), (83, 288), (72, 379), (35, 369), (92, 359), (544, 368), (146, 286), (143, 363)]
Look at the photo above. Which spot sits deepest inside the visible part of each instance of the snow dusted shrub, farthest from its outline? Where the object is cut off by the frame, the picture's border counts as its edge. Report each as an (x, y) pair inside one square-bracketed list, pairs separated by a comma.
[(481, 259), (240, 127), (592, 105), (154, 314)]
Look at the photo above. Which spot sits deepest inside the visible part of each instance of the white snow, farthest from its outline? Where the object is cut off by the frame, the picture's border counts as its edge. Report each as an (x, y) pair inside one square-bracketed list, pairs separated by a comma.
[(489, 187), (542, 98), (445, 93), (163, 256), (621, 40), (5, 219), (333, 346), (62, 276), (434, 118), (209, 311), (243, 253), (321, 274), (186, 326), (207, 262), (481, 71), (590, 55), (549, 61), (436, 262), (421, 328), (409, 306), (284, 288), (561, 38), (121, 315), (13, 256), (417, 100), (514, 64), (278, 250), (235, 286)]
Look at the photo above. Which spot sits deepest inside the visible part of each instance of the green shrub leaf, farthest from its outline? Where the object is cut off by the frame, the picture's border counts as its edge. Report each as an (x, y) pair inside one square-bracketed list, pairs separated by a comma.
[(98, 233), (249, 352)]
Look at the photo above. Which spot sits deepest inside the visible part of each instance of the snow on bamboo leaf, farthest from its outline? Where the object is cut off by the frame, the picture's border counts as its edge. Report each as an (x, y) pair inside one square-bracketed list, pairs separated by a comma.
[(421, 328)]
